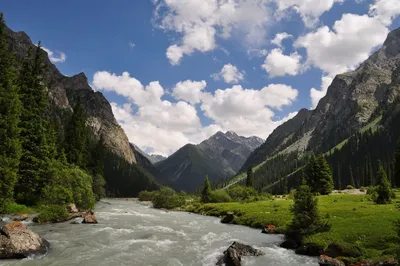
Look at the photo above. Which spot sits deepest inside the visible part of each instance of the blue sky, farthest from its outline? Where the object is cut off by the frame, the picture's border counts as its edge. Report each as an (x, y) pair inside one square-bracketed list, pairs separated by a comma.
[(194, 67)]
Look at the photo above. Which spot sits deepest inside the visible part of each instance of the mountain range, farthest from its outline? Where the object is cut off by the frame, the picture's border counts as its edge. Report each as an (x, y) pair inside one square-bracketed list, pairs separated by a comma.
[(365, 99), (219, 157)]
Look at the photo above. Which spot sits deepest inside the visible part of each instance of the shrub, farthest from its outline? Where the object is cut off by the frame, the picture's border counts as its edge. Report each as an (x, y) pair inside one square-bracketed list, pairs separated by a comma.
[(53, 214), (363, 189), (68, 184), (146, 195), (168, 199), (220, 196), (240, 193), (10, 207), (349, 187)]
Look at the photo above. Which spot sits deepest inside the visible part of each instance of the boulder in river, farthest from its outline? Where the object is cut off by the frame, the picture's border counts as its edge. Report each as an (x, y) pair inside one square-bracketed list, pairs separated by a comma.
[(18, 242), (71, 208), (233, 255), (328, 261), (289, 244), (228, 218), (269, 229), (89, 218), (21, 217)]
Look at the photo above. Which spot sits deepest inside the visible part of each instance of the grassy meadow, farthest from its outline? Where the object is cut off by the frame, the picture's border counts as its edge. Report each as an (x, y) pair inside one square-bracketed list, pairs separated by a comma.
[(355, 221)]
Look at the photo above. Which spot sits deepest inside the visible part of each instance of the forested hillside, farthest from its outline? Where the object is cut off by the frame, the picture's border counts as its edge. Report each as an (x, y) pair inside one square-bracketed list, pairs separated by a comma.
[(56, 134)]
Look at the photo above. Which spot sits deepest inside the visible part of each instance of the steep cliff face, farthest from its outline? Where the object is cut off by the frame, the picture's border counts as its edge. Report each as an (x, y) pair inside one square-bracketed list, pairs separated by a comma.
[(64, 93), (349, 104)]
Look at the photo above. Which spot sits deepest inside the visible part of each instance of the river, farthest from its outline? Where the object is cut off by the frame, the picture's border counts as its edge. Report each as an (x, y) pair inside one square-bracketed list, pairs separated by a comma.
[(129, 233)]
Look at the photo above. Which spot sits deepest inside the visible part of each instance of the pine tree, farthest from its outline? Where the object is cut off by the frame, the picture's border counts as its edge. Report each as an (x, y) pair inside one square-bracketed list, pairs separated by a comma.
[(383, 188), (250, 177), (10, 110), (339, 178), (325, 176), (206, 192), (76, 138), (97, 169), (397, 166), (351, 177), (34, 125), (305, 210), (319, 176)]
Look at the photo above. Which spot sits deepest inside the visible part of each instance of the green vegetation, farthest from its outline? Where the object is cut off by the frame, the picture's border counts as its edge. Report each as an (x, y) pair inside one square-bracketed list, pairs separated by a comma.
[(10, 110), (146, 195), (220, 195), (52, 214), (383, 188), (397, 165), (318, 175), (250, 177), (356, 221), (167, 198), (206, 192)]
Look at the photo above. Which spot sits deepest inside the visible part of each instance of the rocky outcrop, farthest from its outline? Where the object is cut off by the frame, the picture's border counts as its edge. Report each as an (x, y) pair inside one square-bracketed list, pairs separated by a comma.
[(71, 208), (18, 242), (89, 218), (328, 261), (228, 218), (64, 93), (233, 255), (349, 104)]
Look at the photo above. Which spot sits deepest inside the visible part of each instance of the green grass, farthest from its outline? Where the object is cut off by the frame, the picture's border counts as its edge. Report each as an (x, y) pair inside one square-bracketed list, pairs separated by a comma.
[(355, 220)]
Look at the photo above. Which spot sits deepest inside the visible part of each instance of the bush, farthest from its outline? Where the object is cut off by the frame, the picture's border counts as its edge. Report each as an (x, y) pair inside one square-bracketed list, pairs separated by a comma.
[(349, 187), (53, 214), (146, 195), (363, 189), (68, 184), (167, 198), (10, 207), (240, 193), (218, 196)]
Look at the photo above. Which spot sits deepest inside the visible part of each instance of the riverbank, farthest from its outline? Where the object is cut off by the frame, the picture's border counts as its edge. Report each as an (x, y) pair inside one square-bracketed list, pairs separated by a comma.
[(358, 225)]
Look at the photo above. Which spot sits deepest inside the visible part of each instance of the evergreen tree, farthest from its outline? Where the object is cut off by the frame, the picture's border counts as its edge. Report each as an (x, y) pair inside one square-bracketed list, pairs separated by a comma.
[(97, 169), (305, 210), (250, 177), (351, 177), (76, 138), (383, 188), (206, 192), (10, 110), (319, 176), (397, 165), (325, 176), (339, 178), (33, 125)]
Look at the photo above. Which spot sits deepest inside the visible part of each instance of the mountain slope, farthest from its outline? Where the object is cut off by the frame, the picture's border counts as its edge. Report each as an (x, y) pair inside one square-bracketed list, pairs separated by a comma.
[(144, 160), (64, 93), (350, 103), (219, 157)]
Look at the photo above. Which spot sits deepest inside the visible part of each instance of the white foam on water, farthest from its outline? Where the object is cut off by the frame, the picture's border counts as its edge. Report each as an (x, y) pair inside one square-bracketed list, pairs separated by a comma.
[(157, 228), (116, 230)]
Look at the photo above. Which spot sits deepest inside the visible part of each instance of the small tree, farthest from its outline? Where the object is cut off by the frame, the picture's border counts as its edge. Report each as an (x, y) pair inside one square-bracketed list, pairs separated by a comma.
[(383, 188), (250, 177), (305, 210), (206, 192), (325, 176)]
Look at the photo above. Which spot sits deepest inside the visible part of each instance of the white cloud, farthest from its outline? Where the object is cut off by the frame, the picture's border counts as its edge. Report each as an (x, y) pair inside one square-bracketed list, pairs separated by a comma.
[(230, 74), (309, 10), (132, 44), (385, 10), (54, 58), (342, 48), (277, 64), (279, 37), (163, 126), (190, 91), (247, 111), (199, 22)]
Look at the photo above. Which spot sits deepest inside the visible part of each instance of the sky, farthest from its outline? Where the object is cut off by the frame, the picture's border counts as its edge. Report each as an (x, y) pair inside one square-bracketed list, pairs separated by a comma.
[(178, 71)]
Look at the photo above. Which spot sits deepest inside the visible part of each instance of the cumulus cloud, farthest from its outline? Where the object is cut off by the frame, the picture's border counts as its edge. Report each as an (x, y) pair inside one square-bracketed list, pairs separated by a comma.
[(277, 64), (55, 57), (279, 37), (199, 22), (309, 10), (132, 45), (190, 91), (385, 10), (229, 73), (164, 126)]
